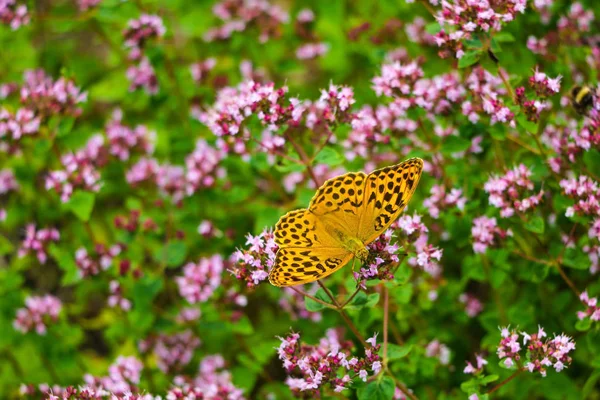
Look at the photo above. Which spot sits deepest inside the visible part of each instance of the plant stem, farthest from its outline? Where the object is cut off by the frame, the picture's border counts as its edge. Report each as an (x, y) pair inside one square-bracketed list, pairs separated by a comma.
[(504, 382), (313, 298), (344, 315), (386, 309), (402, 386), (350, 298), (488, 275)]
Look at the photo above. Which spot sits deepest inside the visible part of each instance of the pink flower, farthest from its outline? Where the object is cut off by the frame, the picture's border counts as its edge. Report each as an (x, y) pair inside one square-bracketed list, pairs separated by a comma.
[(252, 265), (14, 14), (311, 367), (309, 51), (511, 192), (139, 31), (123, 376), (173, 352), (39, 311), (201, 279), (202, 167), (37, 241), (142, 76), (485, 232), (439, 350)]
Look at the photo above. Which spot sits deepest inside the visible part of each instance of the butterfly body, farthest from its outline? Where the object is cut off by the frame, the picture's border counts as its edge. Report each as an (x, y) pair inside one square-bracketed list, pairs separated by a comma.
[(346, 214)]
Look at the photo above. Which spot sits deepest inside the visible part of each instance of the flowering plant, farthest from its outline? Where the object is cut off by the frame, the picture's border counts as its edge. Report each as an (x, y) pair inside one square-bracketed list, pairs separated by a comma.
[(148, 149)]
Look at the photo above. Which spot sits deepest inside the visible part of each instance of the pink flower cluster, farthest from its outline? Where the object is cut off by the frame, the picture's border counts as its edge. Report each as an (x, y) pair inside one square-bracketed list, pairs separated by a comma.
[(8, 183), (37, 241), (397, 79), (202, 167), (239, 15), (201, 279), (116, 298), (123, 376), (79, 172), (253, 265), (480, 362), (85, 5), (38, 313), (48, 97), (485, 232), (140, 31), (543, 87), (539, 354), (328, 364), (213, 382), (142, 76), (310, 51), (100, 260), (273, 108), (592, 310), (569, 140), (81, 169), (414, 231), (473, 305), (440, 199), (487, 91), (13, 14), (586, 193), (461, 18), (439, 350), (173, 352), (123, 140), (383, 258), (510, 192), (201, 69), (14, 126)]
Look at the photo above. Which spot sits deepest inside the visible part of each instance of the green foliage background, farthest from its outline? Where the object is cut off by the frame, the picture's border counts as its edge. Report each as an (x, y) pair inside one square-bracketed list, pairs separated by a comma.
[(88, 48)]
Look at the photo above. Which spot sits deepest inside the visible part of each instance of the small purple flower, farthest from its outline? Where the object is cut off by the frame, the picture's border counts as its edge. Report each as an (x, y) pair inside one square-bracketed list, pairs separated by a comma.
[(39, 312)]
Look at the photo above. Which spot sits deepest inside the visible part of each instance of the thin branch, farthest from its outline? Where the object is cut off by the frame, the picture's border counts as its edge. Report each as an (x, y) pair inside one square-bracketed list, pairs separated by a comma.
[(504, 382), (313, 298), (386, 309), (350, 298), (401, 386)]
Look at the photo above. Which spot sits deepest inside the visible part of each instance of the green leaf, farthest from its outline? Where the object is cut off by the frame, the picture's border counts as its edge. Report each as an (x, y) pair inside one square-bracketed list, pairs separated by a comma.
[(455, 144), (396, 352), (243, 326), (469, 58), (361, 300), (575, 258), (583, 324), (81, 204), (65, 126), (5, 245), (495, 47), (315, 306), (504, 37), (175, 253), (66, 262), (432, 28), (287, 166), (382, 389), (498, 132), (590, 384), (488, 379), (535, 224), (529, 126), (329, 156)]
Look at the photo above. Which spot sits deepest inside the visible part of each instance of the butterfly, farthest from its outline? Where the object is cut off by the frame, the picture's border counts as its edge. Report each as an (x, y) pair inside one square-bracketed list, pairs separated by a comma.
[(346, 214)]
